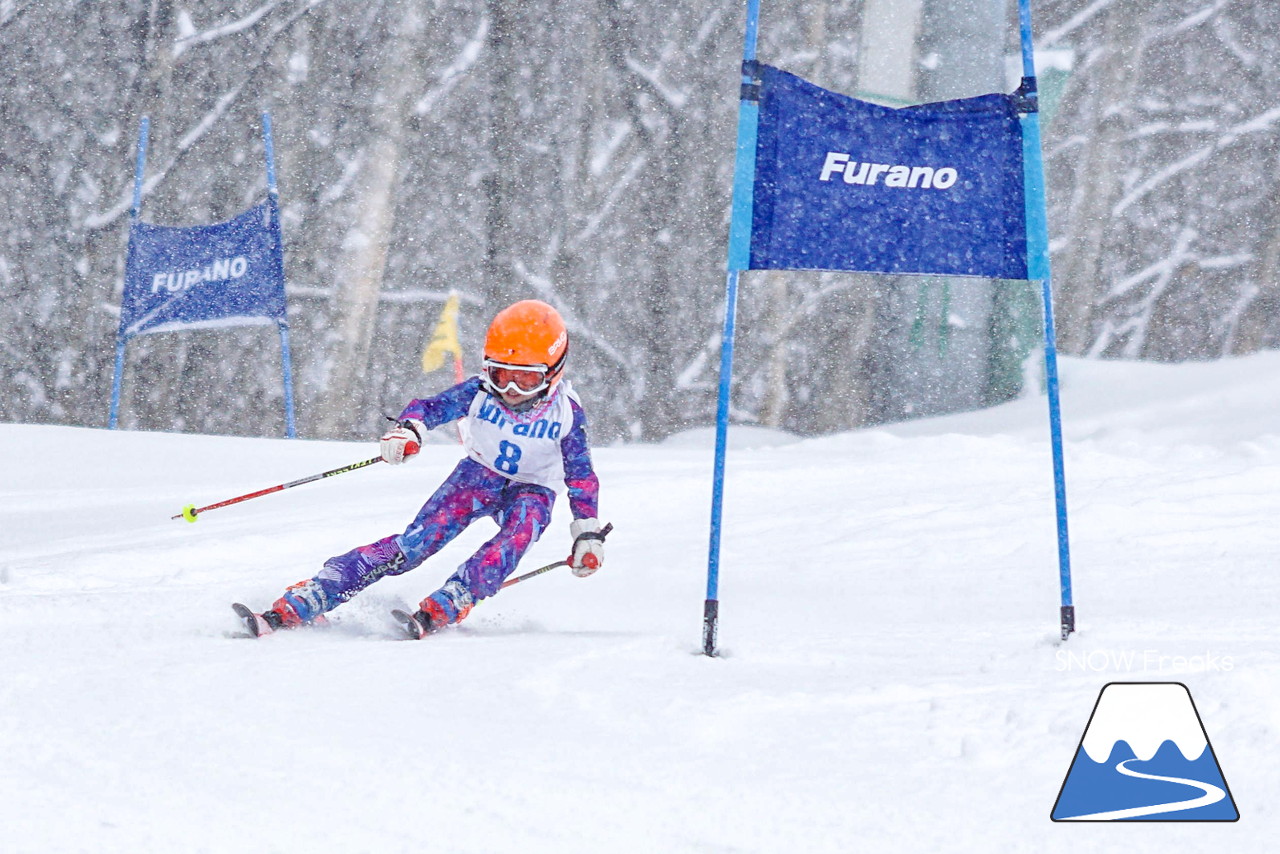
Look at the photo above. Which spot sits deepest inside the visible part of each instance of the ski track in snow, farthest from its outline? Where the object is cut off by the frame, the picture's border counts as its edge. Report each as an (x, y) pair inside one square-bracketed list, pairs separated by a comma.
[(1210, 794), (890, 681)]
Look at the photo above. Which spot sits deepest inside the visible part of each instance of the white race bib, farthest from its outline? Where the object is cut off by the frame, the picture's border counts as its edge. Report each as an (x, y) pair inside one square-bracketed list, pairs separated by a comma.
[(524, 446)]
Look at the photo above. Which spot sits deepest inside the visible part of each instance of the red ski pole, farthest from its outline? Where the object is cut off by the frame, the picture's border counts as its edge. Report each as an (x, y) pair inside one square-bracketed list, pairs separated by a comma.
[(510, 581), (190, 512)]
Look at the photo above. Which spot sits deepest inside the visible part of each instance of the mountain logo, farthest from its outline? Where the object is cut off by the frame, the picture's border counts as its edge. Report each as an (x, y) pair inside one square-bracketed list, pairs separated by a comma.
[(1145, 756)]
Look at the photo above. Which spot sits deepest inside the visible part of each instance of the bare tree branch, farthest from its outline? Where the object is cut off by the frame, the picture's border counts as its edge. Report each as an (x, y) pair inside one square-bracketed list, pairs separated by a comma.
[(688, 376), (616, 192), (814, 299), (451, 75), (12, 15), (1261, 123), (1195, 19), (1074, 23), (232, 28), (1194, 126), (547, 290), (200, 128), (674, 99), (1162, 275)]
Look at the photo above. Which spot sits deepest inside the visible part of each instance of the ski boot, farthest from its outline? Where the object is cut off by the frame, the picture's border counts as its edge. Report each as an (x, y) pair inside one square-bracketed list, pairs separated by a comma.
[(416, 625), (257, 624), (448, 605), (301, 605)]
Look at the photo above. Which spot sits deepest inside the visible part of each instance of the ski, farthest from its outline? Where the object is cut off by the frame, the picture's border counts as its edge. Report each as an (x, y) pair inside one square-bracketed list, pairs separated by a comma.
[(258, 625), (255, 624), (412, 626)]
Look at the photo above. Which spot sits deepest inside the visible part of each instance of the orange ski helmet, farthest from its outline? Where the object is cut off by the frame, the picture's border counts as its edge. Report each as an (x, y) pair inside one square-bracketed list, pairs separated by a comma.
[(528, 335)]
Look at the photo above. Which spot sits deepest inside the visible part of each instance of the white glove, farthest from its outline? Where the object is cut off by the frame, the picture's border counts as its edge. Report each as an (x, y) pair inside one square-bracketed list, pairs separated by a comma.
[(588, 547), (402, 441)]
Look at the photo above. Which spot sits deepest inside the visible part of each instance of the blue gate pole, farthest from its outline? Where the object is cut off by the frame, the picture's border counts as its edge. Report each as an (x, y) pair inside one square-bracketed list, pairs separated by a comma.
[(139, 169), (1038, 268), (291, 431), (269, 149), (744, 174), (286, 359)]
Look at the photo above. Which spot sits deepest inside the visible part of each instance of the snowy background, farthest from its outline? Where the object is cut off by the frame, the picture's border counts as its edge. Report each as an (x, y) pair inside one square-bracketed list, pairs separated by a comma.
[(580, 151), (891, 678)]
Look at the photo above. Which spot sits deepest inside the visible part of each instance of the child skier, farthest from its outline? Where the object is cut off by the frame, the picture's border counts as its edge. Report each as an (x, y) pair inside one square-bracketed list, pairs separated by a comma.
[(523, 430)]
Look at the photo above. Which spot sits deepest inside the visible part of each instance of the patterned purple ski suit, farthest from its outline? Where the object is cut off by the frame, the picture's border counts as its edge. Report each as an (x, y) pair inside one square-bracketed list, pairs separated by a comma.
[(472, 491)]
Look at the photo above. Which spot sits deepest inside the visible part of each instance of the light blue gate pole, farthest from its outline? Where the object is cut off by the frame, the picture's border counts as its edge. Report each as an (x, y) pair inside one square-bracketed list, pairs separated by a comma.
[(273, 202), (140, 167), (744, 174), (1038, 269)]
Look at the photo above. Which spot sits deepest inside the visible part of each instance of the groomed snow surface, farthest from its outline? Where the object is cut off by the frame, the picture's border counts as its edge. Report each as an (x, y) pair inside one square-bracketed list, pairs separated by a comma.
[(891, 677)]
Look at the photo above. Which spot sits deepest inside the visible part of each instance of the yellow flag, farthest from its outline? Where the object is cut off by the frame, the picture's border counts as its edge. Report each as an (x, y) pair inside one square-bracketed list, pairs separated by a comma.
[(444, 339)]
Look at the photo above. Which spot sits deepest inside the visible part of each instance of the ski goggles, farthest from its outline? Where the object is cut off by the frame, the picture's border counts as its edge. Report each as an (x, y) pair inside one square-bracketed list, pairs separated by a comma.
[(521, 379)]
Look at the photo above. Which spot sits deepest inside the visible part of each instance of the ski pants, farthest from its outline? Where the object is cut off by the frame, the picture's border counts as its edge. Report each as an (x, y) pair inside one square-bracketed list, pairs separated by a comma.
[(522, 511)]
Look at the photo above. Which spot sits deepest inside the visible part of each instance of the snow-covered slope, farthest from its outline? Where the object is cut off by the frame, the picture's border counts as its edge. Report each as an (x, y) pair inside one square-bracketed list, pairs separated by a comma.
[(891, 677)]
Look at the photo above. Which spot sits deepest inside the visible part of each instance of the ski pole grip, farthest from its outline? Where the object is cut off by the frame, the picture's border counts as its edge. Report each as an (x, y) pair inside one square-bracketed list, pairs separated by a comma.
[(596, 535)]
